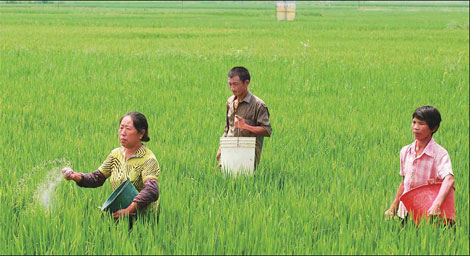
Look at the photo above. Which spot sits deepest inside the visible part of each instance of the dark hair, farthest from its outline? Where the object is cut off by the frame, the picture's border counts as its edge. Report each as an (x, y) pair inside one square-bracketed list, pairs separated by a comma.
[(140, 123), (429, 114), (241, 72)]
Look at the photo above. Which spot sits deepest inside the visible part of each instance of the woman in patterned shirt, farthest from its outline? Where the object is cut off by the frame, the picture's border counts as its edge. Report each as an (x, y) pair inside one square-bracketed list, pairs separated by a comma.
[(133, 161), (423, 162)]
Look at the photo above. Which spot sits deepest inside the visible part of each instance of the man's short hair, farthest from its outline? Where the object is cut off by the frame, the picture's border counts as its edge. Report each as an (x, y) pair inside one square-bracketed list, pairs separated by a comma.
[(241, 72), (430, 115)]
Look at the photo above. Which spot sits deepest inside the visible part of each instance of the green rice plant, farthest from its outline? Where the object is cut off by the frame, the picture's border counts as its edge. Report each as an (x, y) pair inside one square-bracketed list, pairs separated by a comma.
[(341, 82)]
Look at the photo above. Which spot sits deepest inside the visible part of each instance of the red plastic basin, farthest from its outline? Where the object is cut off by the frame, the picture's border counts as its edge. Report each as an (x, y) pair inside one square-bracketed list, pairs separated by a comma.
[(417, 201)]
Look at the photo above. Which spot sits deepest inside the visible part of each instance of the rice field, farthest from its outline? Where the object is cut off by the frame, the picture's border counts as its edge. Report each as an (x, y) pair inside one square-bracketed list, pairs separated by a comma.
[(340, 82)]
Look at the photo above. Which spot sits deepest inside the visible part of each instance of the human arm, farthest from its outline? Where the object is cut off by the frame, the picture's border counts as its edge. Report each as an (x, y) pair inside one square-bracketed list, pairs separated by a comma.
[(444, 191), (444, 172), (132, 208), (147, 195), (88, 180), (226, 128), (217, 156), (262, 125), (70, 174), (150, 191), (258, 130), (94, 179), (394, 206)]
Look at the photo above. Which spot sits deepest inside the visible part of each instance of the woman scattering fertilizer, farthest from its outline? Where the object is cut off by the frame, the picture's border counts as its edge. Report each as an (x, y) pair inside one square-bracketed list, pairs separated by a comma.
[(423, 162), (133, 161)]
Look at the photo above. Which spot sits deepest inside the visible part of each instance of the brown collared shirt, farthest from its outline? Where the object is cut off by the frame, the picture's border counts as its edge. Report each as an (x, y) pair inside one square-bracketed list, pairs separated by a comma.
[(255, 112)]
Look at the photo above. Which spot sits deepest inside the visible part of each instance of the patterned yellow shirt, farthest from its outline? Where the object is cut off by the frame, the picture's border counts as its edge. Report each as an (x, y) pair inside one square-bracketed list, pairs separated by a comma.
[(138, 168)]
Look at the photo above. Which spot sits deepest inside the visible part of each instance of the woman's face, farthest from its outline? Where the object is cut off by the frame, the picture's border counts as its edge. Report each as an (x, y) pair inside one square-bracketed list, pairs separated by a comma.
[(421, 129), (128, 134)]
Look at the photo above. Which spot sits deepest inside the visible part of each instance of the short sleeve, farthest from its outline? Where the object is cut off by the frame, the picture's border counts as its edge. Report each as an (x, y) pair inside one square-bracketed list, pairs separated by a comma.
[(226, 120), (444, 167), (150, 169), (263, 118), (106, 166), (402, 160)]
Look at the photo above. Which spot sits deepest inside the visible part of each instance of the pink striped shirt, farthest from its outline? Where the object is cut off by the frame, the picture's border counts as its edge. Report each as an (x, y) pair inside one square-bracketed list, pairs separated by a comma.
[(431, 166)]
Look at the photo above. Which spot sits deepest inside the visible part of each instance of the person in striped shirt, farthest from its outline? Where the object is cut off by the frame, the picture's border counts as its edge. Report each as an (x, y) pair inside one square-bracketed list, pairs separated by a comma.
[(423, 162), (133, 161)]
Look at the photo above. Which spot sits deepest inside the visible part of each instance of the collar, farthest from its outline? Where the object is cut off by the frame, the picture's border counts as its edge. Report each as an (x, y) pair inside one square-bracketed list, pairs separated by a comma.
[(139, 153), (428, 150), (247, 98)]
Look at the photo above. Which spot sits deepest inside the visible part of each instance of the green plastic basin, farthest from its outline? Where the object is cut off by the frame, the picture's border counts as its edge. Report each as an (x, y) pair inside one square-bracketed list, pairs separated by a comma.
[(121, 197)]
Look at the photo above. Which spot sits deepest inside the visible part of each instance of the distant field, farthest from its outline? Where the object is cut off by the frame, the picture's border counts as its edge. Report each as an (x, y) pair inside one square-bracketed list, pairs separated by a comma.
[(341, 83), (302, 5)]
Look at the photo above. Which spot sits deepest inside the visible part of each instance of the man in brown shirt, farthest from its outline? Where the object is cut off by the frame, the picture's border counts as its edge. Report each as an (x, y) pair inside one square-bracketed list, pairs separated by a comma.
[(246, 115)]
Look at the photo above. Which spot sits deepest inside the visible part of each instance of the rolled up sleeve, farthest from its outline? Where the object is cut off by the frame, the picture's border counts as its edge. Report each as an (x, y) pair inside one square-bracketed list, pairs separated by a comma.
[(148, 194), (226, 120), (263, 118), (92, 180), (402, 160), (444, 167)]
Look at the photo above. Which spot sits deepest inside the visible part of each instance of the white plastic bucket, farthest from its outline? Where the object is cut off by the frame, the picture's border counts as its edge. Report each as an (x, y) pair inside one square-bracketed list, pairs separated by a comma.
[(285, 10), (290, 11), (237, 155), (280, 11)]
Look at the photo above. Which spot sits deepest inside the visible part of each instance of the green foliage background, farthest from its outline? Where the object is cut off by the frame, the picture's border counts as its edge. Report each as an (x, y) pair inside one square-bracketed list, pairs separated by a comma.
[(341, 83)]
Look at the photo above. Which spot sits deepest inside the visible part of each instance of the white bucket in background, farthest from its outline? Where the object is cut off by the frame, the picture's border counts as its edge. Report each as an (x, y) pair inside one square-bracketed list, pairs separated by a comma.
[(285, 10), (290, 11), (280, 11), (237, 155)]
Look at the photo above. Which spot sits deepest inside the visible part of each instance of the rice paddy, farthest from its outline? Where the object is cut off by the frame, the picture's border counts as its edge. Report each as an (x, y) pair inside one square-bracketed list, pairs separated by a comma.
[(341, 83)]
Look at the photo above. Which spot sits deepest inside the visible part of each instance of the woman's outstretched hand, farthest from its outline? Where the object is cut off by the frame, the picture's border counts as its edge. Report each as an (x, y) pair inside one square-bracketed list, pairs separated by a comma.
[(68, 173)]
